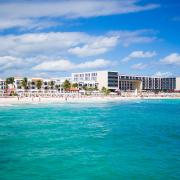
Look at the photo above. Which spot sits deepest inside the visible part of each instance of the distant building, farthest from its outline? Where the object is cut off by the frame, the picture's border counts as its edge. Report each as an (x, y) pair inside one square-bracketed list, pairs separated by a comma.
[(107, 79), (147, 83), (111, 80)]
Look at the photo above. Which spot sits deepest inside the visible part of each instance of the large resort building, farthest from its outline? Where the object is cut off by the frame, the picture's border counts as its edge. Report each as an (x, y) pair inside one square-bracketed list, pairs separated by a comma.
[(111, 80), (114, 81)]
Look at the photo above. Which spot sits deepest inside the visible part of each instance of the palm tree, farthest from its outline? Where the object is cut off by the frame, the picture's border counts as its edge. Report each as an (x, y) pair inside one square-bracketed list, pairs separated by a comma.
[(85, 87), (24, 83), (95, 88), (75, 85), (105, 91), (10, 80), (51, 84), (38, 84), (57, 86), (66, 85)]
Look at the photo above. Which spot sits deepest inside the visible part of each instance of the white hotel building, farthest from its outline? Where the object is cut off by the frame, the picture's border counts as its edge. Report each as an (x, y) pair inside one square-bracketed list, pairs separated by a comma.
[(114, 81), (111, 80)]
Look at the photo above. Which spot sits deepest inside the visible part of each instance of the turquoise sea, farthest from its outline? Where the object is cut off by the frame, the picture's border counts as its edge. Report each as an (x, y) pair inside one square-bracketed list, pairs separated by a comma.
[(113, 140)]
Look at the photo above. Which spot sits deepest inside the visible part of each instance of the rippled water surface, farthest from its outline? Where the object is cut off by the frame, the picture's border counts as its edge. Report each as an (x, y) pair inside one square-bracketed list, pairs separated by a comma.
[(124, 140)]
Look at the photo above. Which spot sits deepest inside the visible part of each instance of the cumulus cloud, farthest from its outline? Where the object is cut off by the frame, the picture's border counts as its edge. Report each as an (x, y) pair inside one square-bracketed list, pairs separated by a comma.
[(9, 62), (162, 74), (98, 63), (41, 43), (127, 38), (139, 55), (27, 23), (173, 59), (13, 11), (66, 65), (77, 43), (139, 66), (99, 46)]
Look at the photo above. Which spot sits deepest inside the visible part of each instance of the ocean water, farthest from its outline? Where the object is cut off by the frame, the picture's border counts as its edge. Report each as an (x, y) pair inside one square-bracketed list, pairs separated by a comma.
[(121, 140)]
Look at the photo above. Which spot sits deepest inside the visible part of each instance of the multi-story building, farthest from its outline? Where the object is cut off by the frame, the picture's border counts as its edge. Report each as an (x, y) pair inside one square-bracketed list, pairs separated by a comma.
[(111, 80), (88, 79), (147, 83), (2, 86), (107, 79), (177, 84)]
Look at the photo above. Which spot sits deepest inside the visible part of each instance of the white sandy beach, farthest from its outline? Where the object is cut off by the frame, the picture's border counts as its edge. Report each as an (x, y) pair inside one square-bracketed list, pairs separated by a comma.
[(37, 100)]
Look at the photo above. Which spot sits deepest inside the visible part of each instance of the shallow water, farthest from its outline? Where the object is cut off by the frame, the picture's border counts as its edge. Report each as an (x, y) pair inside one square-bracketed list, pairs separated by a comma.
[(122, 140)]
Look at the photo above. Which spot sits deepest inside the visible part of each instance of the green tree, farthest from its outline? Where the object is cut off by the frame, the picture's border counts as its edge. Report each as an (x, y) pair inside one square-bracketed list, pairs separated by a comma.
[(95, 88), (24, 83), (10, 80), (51, 84), (85, 87), (38, 84), (66, 85), (105, 91), (75, 85)]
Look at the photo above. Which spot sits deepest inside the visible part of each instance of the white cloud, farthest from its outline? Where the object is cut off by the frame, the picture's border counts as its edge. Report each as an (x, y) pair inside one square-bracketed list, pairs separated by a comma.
[(16, 11), (139, 55), (41, 43), (9, 62), (100, 46), (26, 23), (173, 59), (66, 65), (98, 63), (162, 74), (58, 65), (127, 38), (72, 8), (58, 43), (139, 66)]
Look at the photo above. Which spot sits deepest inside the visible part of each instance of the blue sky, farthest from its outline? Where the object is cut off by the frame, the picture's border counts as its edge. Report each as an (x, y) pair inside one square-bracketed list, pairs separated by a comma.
[(54, 38)]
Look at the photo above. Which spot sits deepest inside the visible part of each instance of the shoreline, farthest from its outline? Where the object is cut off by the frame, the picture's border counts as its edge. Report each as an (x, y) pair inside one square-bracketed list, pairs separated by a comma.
[(48, 100)]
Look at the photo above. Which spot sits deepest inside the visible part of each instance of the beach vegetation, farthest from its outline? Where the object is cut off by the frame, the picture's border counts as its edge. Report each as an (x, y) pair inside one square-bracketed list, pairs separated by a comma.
[(105, 91), (66, 85), (9, 80), (39, 84), (24, 83), (51, 84), (75, 85)]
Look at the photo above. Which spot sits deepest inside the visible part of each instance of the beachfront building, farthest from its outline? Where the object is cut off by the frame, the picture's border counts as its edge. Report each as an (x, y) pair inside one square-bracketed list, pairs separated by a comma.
[(146, 83), (111, 80), (99, 79), (177, 84), (2, 86)]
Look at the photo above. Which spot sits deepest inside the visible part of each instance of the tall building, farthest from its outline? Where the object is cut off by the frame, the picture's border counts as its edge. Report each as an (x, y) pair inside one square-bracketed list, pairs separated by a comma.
[(113, 81), (107, 79), (177, 84), (148, 83)]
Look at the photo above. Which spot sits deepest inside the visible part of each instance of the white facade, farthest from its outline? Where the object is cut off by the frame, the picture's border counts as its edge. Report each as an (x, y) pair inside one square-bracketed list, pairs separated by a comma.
[(107, 79), (88, 79), (98, 79), (178, 84), (18, 82), (102, 79)]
